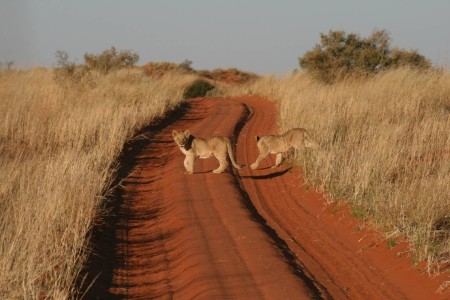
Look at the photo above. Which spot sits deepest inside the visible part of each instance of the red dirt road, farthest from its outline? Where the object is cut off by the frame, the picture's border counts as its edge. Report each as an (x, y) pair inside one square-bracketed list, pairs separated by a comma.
[(253, 234)]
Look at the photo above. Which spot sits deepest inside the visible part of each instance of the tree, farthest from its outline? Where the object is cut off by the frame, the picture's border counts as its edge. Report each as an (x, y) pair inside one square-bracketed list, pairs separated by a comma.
[(63, 62), (340, 55), (186, 65)]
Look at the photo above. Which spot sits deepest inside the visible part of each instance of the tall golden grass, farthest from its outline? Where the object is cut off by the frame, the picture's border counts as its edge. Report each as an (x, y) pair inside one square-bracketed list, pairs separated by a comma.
[(385, 147), (58, 147)]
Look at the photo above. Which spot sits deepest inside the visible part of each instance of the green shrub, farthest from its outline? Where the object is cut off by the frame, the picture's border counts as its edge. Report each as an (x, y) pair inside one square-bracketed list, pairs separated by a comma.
[(341, 55), (198, 88)]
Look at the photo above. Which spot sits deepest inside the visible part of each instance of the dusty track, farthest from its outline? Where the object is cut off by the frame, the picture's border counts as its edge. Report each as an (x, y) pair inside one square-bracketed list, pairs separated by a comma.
[(256, 234)]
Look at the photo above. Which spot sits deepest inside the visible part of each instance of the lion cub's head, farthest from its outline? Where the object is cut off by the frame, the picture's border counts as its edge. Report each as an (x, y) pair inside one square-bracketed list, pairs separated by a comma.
[(181, 137)]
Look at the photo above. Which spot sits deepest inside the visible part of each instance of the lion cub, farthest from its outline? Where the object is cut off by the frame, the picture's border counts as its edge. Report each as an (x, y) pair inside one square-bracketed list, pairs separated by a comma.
[(194, 147), (279, 144)]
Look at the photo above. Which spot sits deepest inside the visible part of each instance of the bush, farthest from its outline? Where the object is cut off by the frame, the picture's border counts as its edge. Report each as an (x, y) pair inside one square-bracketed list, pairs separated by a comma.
[(6, 65), (159, 69), (198, 88), (64, 67), (111, 59), (66, 71), (340, 55)]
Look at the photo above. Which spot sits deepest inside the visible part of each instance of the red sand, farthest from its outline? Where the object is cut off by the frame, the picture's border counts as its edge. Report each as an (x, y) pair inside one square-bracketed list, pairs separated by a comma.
[(253, 234)]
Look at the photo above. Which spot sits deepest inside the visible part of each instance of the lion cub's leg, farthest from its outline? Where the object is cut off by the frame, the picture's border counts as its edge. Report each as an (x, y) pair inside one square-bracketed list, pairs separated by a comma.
[(223, 163), (189, 164), (278, 160), (263, 154)]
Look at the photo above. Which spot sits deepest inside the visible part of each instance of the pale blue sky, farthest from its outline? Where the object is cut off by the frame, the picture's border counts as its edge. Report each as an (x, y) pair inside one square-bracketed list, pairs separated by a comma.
[(261, 36)]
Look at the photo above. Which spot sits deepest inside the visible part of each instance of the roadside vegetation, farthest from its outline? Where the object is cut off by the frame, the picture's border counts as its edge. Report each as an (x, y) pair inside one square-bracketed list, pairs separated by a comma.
[(60, 137), (385, 146)]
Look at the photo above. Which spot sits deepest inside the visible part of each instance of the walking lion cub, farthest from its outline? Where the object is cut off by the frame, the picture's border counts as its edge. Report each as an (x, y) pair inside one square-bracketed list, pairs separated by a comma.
[(194, 147), (280, 144)]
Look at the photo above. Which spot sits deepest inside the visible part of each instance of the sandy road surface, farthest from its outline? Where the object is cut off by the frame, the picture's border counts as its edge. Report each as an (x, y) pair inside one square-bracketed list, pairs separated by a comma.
[(254, 234)]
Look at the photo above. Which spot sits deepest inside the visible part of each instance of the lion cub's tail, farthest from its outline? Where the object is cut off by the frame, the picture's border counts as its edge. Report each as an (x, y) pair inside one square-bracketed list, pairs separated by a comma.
[(230, 153)]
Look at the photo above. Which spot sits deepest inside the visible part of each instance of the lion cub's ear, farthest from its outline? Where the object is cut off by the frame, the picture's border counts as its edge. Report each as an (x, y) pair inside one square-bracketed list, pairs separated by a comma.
[(174, 133), (187, 132)]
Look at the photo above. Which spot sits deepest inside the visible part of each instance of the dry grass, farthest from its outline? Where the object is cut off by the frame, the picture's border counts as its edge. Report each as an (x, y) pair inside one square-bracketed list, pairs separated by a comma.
[(385, 146), (58, 147)]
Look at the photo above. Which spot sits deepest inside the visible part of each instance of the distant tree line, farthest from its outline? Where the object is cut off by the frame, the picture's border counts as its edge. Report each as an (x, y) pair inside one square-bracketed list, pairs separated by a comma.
[(338, 55)]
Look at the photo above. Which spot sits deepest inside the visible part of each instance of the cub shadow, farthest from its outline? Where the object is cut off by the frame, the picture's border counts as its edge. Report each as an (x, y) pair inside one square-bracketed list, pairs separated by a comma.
[(204, 172), (268, 176), (211, 171)]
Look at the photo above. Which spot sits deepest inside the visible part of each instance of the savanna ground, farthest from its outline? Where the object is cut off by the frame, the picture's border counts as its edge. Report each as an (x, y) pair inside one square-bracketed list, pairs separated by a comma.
[(385, 150)]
